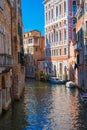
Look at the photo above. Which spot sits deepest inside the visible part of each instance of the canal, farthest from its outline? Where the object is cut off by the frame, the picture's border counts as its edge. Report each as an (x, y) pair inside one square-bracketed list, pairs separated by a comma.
[(46, 107)]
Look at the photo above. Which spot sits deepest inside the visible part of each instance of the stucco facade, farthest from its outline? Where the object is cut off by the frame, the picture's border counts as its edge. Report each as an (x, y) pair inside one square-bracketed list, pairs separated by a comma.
[(34, 50), (78, 44)]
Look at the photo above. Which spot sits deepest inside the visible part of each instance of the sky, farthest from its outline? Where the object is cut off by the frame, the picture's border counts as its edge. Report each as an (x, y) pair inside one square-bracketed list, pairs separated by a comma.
[(33, 15)]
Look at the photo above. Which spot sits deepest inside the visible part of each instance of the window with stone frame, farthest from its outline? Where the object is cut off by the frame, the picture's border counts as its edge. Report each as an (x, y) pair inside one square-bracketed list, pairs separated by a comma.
[(4, 11), (60, 68), (60, 35), (74, 7), (56, 11), (64, 34), (9, 17), (64, 51), (64, 6), (49, 15), (74, 21), (85, 6), (1, 4), (60, 11), (52, 13), (60, 52), (36, 49)]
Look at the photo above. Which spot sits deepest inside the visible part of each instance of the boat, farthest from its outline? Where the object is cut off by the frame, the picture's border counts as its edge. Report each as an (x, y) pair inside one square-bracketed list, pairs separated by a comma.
[(83, 97), (70, 84), (55, 80)]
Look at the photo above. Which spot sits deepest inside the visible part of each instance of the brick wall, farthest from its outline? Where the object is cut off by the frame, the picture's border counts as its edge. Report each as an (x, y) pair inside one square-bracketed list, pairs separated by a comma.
[(18, 81), (0, 101)]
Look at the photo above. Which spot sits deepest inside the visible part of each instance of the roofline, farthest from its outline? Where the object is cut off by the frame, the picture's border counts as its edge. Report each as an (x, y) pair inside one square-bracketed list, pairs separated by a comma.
[(45, 1), (31, 31)]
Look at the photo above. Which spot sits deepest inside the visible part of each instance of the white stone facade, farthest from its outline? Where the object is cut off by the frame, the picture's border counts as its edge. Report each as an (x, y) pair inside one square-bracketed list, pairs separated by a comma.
[(58, 33)]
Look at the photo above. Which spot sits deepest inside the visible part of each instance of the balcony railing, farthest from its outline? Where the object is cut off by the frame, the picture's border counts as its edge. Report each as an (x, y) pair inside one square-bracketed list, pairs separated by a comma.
[(6, 60), (77, 47)]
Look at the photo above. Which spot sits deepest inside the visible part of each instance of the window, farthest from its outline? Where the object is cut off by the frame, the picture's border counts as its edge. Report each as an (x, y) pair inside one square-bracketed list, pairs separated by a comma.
[(85, 6), (60, 36), (36, 49), (64, 34), (49, 15), (27, 50), (74, 8), (52, 13), (64, 51), (60, 24), (59, 9), (2, 38), (1, 3), (56, 11), (49, 38), (46, 17), (56, 52), (29, 40), (60, 52), (9, 17), (74, 21), (64, 6), (56, 36), (78, 59), (60, 66), (52, 37), (64, 22), (74, 34), (4, 11), (52, 53)]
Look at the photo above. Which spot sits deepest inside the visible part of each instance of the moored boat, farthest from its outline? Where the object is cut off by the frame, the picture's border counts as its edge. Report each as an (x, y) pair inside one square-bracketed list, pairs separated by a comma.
[(83, 97), (55, 80), (70, 84)]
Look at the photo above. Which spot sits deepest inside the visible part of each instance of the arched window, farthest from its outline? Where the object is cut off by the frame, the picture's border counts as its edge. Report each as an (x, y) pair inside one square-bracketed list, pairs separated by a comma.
[(64, 34), (56, 36), (74, 21), (74, 34), (60, 36), (56, 11), (64, 6), (74, 8)]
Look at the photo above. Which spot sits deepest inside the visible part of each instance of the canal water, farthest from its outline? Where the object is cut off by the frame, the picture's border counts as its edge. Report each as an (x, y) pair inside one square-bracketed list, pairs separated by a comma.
[(46, 107)]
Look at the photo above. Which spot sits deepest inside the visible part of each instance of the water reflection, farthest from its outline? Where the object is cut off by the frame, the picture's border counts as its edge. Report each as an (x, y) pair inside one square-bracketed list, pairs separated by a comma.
[(46, 107)]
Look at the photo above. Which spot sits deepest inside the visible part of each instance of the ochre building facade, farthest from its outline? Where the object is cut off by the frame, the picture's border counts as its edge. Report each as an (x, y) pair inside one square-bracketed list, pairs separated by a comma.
[(34, 50)]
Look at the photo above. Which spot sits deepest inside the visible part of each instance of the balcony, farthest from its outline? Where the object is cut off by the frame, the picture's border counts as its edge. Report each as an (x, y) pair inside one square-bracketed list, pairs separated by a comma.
[(6, 60), (78, 46)]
